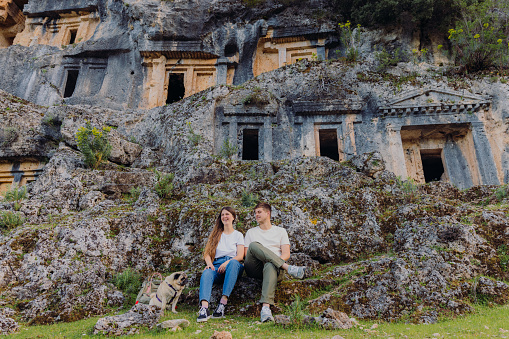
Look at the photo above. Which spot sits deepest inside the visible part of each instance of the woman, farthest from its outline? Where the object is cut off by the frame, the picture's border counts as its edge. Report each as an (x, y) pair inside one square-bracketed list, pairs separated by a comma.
[(226, 246)]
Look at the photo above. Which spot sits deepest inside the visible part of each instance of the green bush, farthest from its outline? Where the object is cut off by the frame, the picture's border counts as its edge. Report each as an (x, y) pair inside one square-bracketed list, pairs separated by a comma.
[(16, 194), (10, 220), (350, 38), (7, 136), (134, 194), (228, 150), (164, 184), (248, 199), (503, 254), (479, 40), (129, 282), (193, 137), (94, 144), (386, 59)]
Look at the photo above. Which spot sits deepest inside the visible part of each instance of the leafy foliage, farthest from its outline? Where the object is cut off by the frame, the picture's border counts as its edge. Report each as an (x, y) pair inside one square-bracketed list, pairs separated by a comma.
[(129, 282), (385, 12), (7, 136), (386, 59), (94, 144), (10, 220), (350, 39), (479, 40), (164, 186), (193, 137), (228, 149), (248, 199), (16, 194)]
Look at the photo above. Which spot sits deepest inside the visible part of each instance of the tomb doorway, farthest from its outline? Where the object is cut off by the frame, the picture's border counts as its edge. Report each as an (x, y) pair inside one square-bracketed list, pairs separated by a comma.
[(70, 84), (176, 88), (73, 34), (328, 139), (250, 144), (432, 164)]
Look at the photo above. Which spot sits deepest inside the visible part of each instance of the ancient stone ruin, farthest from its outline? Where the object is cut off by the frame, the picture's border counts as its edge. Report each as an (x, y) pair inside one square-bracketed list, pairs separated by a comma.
[(215, 102)]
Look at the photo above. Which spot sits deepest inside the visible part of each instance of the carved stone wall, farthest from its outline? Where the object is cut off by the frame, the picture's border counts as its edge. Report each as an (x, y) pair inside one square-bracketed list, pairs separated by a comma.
[(18, 173), (282, 47), (67, 28), (12, 22)]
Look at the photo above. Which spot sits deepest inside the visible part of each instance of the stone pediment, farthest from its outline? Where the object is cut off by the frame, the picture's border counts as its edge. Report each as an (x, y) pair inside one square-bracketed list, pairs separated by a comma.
[(245, 110), (434, 100)]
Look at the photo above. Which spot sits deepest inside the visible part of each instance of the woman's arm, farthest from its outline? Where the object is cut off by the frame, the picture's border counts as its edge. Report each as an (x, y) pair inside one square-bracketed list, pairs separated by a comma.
[(208, 261)]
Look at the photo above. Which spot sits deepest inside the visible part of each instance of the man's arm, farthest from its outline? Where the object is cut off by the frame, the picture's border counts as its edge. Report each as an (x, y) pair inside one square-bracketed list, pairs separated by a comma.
[(285, 252)]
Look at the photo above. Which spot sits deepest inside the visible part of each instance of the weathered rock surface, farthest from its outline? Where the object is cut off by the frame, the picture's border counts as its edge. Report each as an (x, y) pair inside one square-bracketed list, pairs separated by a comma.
[(7, 325), (174, 323), (139, 316)]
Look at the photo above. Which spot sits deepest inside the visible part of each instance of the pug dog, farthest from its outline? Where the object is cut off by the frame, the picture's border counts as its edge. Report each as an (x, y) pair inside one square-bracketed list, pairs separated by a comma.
[(169, 291)]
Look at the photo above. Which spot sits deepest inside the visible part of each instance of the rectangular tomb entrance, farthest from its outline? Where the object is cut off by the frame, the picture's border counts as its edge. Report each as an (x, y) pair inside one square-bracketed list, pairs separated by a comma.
[(441, 152), (328, 141), (432, 164), (250, 144)]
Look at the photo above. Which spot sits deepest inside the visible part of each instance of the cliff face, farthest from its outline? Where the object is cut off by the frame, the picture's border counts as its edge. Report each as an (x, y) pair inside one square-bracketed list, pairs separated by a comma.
[(252, 79)]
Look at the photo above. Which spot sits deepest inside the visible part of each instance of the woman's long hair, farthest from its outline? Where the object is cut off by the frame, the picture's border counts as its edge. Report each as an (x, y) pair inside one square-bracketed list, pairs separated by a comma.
[(215, 235)]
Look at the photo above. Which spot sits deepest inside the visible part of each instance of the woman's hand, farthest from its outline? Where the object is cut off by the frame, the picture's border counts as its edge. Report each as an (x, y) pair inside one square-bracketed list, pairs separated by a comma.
[(222, 268), (210, 266)]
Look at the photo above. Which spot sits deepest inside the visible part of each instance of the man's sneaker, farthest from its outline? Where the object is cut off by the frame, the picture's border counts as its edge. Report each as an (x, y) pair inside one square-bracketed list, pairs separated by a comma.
[(296, 271), (219, 312), (266, 314), (203, 314)]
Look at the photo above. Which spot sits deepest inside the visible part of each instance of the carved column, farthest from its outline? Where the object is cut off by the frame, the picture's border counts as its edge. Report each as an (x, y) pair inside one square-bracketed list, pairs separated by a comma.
[(222, 71), (487, 167), (156, 82), (282, 56), (396, 151)]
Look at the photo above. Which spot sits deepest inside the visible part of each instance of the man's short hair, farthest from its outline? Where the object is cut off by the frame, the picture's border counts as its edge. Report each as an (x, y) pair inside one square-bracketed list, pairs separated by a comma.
[(265, 206)]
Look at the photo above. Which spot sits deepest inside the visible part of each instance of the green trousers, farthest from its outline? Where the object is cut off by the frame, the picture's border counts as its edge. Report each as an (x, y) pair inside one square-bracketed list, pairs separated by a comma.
[(262, 263)]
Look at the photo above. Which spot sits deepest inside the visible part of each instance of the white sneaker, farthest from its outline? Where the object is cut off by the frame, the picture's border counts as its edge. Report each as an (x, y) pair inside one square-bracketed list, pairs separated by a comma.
[(296, 271), (266, 314)]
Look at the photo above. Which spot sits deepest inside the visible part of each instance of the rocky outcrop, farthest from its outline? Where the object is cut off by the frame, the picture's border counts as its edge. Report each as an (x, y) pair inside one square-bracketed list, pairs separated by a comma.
[(140, 315)]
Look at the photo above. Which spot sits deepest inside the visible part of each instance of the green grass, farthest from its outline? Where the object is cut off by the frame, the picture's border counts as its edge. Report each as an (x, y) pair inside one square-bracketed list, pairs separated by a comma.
[(485, 322)]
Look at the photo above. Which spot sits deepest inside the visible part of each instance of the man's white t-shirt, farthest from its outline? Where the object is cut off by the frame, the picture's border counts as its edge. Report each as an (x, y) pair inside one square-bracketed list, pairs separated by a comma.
[(272, 238), (227, 245)]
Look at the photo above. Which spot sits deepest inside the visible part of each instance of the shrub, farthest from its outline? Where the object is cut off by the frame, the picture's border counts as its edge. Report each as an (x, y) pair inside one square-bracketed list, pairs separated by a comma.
[(228, 150), (248, 199), (164, 184), (386, 59), (350, 39), (7, 136), (129, 282), (16, 194), (94, 144), (479, 40), (134, 194), (193, 137), (10, 220), (503, 254)]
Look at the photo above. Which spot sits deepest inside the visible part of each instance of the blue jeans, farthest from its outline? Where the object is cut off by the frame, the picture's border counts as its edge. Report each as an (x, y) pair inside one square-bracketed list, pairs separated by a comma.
[(233, 271)]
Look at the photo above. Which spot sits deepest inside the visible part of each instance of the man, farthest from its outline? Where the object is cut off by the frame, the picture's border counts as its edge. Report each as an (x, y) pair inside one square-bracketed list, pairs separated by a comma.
[(266, 250)]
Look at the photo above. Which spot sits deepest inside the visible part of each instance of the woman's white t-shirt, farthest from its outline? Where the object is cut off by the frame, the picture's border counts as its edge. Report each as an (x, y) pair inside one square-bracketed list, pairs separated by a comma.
[(227, 245)]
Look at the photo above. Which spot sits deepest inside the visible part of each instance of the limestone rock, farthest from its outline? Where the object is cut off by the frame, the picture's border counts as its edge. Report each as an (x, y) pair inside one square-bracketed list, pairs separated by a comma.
[(333, 320), (7, 325), (282, 319), (90, 199), (221, 335), (174, 323), (140, 315), (369, 163), (122, 151)]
